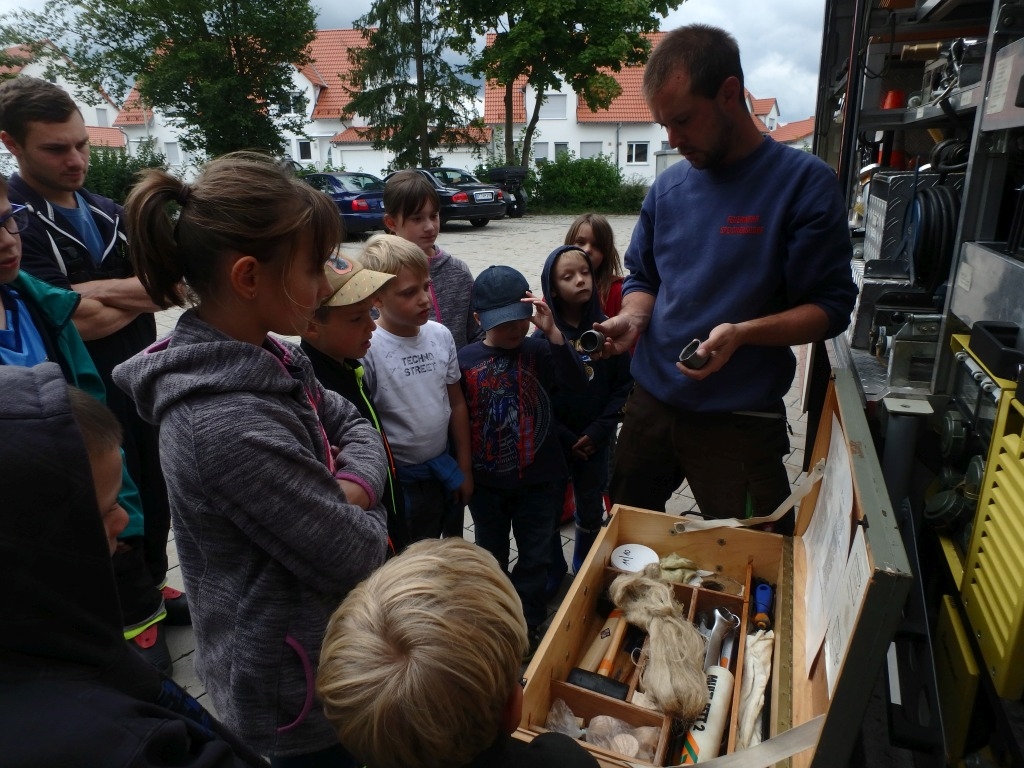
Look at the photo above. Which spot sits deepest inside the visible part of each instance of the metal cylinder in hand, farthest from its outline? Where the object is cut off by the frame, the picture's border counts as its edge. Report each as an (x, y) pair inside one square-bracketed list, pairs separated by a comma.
[(705, 736)]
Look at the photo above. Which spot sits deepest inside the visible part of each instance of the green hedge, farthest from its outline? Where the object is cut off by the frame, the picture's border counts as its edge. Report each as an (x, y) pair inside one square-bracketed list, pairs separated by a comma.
[(571, 184), (112, 171)]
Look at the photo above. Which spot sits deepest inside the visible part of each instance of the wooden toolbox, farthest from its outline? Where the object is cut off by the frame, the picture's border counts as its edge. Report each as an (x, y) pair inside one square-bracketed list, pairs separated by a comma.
[(858, 645)]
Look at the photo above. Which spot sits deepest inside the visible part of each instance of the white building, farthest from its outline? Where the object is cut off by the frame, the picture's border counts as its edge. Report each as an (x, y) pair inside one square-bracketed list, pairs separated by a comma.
[(98, 110), (330, 141), (624, 132)]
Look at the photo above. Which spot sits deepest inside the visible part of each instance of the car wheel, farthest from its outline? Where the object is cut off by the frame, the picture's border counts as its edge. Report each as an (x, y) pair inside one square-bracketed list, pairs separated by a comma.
[(479, 222)]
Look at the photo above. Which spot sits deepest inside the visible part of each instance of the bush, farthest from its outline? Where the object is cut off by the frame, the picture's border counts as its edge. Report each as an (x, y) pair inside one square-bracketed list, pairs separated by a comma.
[(631, 195), (571, 185), (112, 172)]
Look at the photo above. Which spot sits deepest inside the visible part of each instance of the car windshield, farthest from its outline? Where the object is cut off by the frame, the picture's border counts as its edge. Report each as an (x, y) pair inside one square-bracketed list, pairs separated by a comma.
[(453, 176), (360, 182)]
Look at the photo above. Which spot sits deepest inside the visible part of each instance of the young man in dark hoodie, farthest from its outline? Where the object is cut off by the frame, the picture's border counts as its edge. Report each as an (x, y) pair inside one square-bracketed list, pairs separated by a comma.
[(36, 326), (337, 336), (76, 240), (588, 422), (72, 691)]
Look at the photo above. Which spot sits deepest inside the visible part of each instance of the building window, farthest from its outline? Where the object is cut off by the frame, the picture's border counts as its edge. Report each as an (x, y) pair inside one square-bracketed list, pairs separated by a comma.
[(636, 152), (305, 150), (665, 146), (171, 153), (590, 149), (540, 152), (553, 107), (101, 118), (561, 148), (292, 104)]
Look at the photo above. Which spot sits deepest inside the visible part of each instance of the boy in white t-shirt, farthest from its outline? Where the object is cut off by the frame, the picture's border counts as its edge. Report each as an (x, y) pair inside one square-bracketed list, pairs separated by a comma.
[(412, 374)]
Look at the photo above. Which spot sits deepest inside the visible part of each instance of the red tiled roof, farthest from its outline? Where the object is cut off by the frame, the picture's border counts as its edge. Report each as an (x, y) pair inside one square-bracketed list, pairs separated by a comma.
[(793, 131), (329, 64), (351, 136), (494, 102), (16, 52), (132, 113), (763, 106), (628, 107), (759, 123), (494, 97), (105, 137), (359, 135), (329, 67)]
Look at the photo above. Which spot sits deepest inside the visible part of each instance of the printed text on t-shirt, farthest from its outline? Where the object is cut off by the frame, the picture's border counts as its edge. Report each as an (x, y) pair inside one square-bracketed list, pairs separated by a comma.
[(421, 363)]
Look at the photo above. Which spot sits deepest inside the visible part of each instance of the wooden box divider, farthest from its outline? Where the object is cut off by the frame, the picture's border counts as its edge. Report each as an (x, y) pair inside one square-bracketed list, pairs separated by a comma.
[(586, 703)]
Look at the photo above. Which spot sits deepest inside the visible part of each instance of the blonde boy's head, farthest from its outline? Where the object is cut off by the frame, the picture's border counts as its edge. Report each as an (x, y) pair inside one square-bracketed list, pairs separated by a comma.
[(420, 663), (392, 254)]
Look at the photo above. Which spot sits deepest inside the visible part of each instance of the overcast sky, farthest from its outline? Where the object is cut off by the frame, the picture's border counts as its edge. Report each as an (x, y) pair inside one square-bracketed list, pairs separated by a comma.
[(780, 40)]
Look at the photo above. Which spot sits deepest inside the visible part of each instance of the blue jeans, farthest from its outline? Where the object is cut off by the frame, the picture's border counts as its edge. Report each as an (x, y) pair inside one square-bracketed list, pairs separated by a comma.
[(589, 483), (530, 512), (425, 505)]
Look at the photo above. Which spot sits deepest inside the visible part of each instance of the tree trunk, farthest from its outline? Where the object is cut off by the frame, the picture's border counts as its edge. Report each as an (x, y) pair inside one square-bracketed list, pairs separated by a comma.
[(530, 128), (421, 89), (510, 144)]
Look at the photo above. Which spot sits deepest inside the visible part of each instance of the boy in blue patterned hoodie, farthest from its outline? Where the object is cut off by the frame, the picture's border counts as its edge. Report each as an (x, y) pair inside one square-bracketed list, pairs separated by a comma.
[(519, 470)]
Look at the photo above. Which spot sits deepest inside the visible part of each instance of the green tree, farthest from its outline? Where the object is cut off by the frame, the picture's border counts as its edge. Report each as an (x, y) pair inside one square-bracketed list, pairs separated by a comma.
[(221, 67), (113, 172), (547, 42), (405, 85), (10, 61)]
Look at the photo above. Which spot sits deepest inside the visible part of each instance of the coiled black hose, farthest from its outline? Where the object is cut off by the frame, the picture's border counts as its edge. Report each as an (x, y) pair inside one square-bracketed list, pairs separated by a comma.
[(934, 217)]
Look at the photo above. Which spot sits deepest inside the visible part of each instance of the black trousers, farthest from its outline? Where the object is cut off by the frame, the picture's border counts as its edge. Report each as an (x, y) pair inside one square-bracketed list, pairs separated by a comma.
[(142, 571), (732, 461)]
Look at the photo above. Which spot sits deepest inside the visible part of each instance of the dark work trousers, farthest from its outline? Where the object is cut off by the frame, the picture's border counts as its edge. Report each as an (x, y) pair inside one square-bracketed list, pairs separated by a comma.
[(726, 457), (530, 512)]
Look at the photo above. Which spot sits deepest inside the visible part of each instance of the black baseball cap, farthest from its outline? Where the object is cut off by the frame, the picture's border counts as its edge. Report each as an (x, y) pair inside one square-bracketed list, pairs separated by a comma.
[(497, 296)]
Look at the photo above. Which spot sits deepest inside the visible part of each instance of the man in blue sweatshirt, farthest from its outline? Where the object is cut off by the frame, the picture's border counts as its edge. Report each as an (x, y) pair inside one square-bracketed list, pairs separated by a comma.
[(743, 245)]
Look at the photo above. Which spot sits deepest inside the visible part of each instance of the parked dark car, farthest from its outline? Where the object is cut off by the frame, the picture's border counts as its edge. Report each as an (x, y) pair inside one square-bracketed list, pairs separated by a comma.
[(464, 196), (359, 197)]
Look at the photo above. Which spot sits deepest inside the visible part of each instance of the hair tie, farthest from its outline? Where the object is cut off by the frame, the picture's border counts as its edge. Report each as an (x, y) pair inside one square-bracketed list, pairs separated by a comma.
[(184, 194)]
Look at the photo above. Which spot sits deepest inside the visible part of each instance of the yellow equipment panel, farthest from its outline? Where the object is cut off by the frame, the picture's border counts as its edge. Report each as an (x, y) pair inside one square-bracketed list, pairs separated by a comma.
[(993, 584)]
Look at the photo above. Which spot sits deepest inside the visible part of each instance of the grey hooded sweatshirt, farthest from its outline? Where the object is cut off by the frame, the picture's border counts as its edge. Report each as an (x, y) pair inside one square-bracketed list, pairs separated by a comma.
[(452, 293), (267, 542)]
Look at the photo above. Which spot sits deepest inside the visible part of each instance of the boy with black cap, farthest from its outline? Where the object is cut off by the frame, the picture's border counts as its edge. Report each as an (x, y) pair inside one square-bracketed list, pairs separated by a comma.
[(519, 470)]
